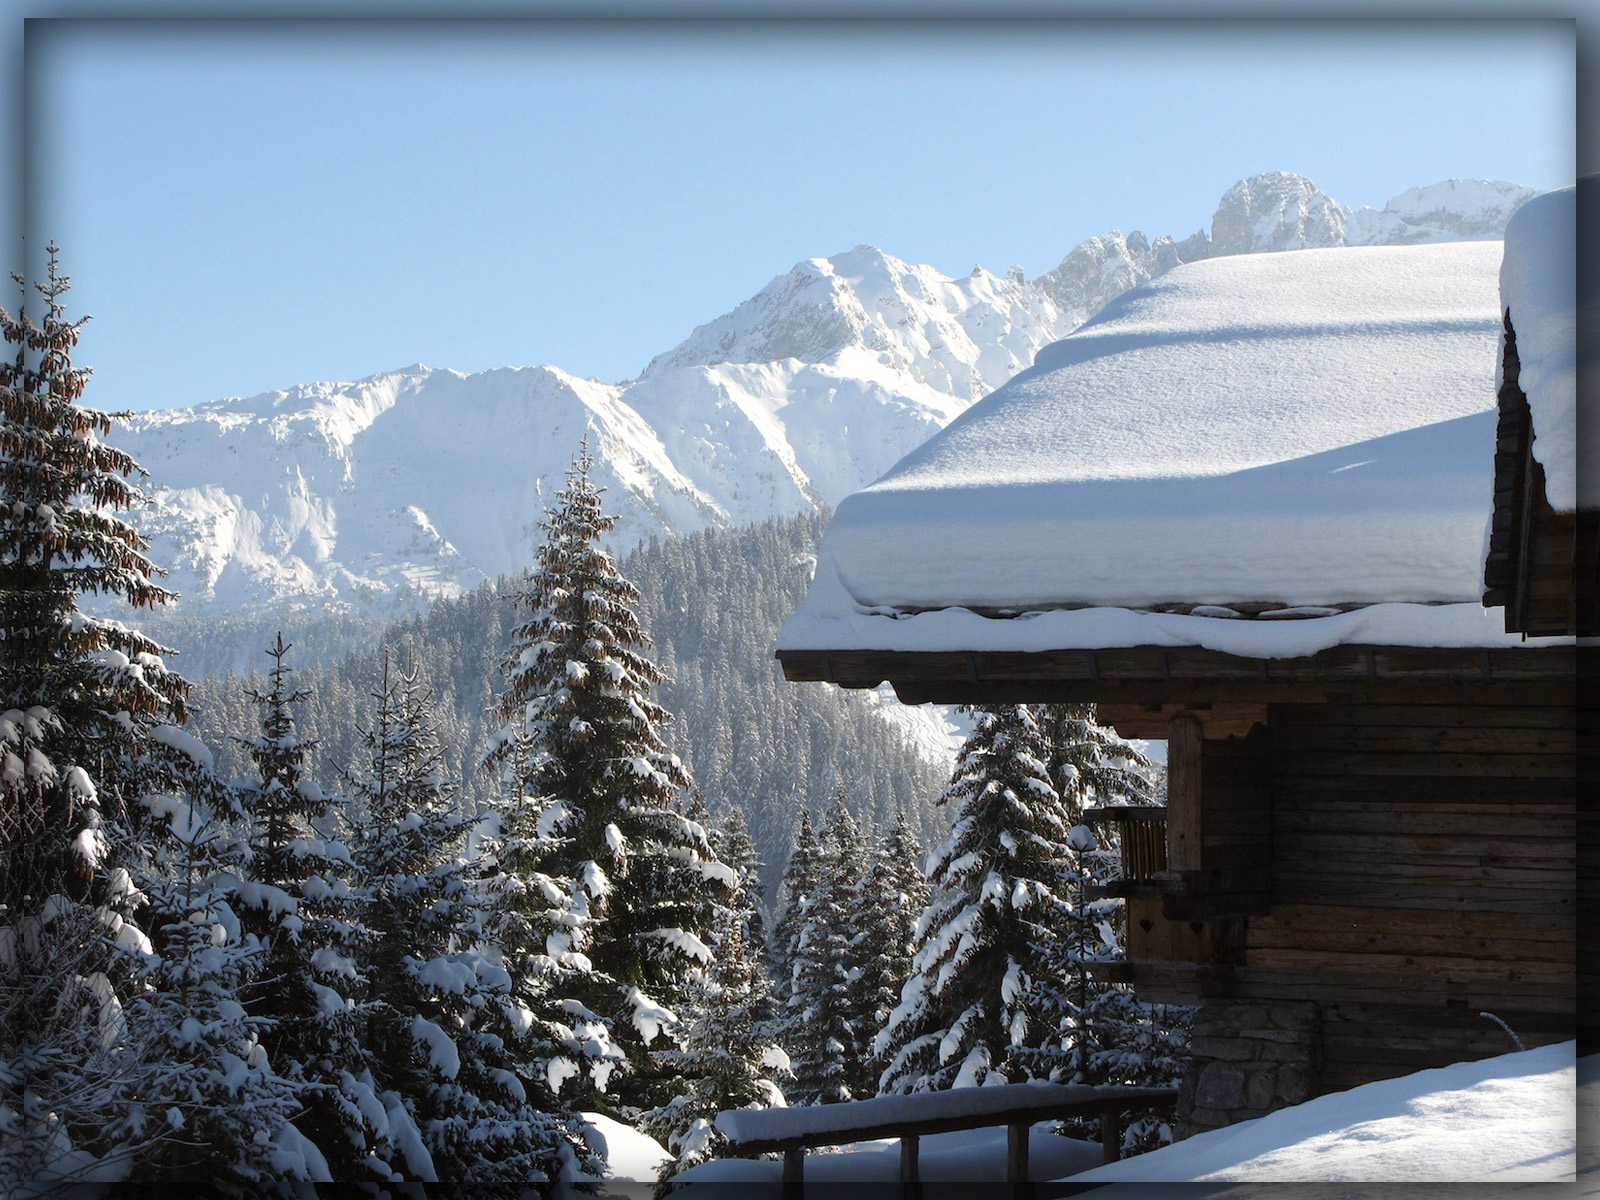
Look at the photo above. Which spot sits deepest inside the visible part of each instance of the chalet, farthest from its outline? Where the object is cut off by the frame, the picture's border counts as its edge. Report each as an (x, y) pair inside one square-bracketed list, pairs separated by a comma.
[(1544, 541), (1244, 510)]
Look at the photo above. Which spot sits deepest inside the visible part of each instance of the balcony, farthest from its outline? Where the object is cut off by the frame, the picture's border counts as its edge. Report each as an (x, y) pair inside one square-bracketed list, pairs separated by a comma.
[(1142, 839)]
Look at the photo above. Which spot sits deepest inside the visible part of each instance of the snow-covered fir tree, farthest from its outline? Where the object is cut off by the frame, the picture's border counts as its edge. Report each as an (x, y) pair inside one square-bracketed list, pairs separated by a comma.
[(207, 1089), (826, 1035), (890, 895), (964, 1015), (1103, 1032), (1091, 763), (78, 696), (733, 846), (594, 806), (443, 1077), (298, 903), (727, 1057), (801, 875)]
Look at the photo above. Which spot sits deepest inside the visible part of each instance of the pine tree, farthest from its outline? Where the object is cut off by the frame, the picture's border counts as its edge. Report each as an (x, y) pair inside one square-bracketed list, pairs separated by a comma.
[(78, 696), (964, 1018), (801, 876), (444, 1079), (597, 805), (208, 1089), (733, 847), (298, 905), (1104, 1033), (1091, 763), (826, 1030), (891, 894), (727, 1058)]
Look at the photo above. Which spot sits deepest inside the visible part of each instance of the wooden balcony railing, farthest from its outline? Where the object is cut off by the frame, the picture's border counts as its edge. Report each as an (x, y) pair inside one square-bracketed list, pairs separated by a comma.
[(1142, 839)]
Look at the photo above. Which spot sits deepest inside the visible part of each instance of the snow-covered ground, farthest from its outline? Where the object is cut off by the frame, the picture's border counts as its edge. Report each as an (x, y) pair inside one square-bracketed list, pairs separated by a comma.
[(1508, 1120), (1499, 1120)]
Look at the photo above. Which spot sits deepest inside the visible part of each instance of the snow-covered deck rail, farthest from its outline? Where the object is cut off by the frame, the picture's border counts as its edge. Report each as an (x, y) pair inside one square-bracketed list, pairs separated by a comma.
[(1018, 1106)]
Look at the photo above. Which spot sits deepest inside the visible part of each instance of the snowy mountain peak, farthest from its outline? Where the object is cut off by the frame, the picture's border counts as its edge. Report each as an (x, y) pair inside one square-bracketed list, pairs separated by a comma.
[(962, 337), (1446, 211), (1276, 211)]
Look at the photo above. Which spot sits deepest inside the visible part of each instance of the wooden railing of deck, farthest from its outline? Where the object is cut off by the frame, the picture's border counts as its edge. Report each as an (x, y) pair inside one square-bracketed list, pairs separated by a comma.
[(1142, 836)]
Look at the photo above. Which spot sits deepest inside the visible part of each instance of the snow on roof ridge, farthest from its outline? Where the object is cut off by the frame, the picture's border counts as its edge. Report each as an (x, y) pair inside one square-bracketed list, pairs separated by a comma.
[(1538, 287), (1341, 460)]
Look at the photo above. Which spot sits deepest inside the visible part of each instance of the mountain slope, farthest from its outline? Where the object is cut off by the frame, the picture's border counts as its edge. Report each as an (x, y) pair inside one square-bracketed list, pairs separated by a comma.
[(375, 496)]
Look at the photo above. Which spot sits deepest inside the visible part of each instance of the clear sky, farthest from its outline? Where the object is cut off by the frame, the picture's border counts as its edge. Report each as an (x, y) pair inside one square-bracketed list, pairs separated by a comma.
[(249, 205)]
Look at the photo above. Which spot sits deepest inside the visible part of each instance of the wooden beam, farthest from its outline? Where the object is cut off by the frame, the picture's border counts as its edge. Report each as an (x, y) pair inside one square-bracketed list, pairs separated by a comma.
[(1017, 1157), (1111, 1135), (794, 1165), (1184, 737), (1217, 721), (910, 1176)]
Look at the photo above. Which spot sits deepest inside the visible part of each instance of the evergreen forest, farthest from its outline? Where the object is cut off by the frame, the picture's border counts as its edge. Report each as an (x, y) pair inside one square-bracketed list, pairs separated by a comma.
[(562, 851)]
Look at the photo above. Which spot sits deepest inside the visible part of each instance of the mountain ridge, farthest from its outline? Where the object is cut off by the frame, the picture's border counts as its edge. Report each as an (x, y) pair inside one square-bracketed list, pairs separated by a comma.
[(374, 496)]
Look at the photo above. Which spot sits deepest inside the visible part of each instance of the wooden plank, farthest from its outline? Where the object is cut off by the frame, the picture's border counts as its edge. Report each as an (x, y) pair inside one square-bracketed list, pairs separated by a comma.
[(1447, 714), (1511, 899), (1184, 827), (1017, 1154), (1420, 789), (794, 1165), (1181, 675), (1419, 739), (1440, 822), (1488, 948), (1402, 809), (909, 1173), (1111, 1136), (1471, 766), (1093, 1102), (1539, 690), (1310, 917), (1453, 966)]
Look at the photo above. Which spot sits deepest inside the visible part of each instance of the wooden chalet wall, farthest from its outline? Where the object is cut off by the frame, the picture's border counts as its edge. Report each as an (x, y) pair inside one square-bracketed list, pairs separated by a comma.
[(1422, 873), (1589, 849), (1417, 869)]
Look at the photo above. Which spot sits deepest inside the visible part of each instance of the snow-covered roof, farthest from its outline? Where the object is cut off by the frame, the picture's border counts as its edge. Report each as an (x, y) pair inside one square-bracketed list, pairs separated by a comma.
[(1307, 429), (1538, 285)]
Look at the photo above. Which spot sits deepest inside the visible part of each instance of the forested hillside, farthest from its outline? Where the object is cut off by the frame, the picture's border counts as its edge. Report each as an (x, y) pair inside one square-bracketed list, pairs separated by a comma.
[(712, 602)]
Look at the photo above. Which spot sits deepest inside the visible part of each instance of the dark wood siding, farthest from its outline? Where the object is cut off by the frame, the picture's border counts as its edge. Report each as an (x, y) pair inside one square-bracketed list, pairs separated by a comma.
[(1589, 849), (1423, 872)]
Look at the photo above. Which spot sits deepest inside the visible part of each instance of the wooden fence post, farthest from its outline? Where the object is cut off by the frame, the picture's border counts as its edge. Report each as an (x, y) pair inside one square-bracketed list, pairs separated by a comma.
[(793, 1172), (910, 1172), (1017, 1157), (1111, 1135)]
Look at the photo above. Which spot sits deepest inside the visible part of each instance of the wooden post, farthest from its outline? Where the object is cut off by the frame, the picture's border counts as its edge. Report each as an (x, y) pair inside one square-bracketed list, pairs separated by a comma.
[(1017, 1157), (793, 1172), (910, 1176), (1111, 1135), (1183, 792)]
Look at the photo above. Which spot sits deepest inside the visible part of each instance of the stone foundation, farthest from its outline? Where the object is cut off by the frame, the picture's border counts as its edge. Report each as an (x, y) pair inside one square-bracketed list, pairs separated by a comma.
[(1248, 1059)]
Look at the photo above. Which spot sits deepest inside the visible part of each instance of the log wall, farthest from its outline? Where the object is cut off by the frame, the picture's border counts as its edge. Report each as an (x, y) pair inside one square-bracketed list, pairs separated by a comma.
[(1422, 872)]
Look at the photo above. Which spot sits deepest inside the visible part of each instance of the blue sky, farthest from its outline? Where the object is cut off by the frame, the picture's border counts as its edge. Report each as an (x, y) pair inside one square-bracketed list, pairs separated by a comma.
[(249, 205)]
